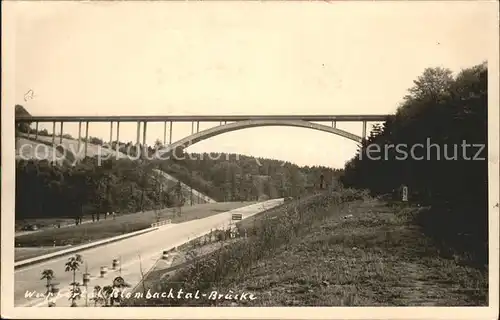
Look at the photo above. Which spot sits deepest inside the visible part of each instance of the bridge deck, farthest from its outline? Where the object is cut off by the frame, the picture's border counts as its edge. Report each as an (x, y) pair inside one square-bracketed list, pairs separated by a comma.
[(206, 118)]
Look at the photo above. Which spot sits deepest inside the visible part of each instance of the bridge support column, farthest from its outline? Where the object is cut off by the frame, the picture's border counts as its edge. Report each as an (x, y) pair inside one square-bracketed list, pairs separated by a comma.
[(79, 135), (36, 130), (165, 133), (29, 130), (111, 135), (170, 136), (61, 134), (334, 124), (138, 133), (364, 130), (144, 135), (192, 127), (117, 135), (197, 126), (53, 132), (86, 138)]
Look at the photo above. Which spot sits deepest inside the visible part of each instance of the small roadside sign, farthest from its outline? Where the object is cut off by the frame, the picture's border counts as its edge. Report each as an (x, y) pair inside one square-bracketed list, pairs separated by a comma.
[(405, 193), (236, 216)]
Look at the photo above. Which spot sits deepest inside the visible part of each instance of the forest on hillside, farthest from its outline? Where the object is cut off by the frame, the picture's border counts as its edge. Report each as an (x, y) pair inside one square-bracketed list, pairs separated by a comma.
[(443, 113), (236, 177)]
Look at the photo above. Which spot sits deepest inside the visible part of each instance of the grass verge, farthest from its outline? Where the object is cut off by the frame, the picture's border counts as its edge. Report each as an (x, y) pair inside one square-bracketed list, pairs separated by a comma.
[(27, 253)]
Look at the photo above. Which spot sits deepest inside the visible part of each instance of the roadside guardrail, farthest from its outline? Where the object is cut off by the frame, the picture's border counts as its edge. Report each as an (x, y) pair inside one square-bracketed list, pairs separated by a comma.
[(161, 223)]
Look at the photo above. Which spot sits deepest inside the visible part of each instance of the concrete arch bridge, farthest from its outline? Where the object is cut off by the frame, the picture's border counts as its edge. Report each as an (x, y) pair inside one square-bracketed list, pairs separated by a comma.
[(227, 123)]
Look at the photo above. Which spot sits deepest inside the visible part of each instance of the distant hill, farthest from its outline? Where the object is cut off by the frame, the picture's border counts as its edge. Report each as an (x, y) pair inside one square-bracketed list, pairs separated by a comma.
[(21, 111)]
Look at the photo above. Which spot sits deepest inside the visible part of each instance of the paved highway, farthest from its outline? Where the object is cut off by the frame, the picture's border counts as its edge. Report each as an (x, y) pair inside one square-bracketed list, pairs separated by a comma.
[(149, 246)]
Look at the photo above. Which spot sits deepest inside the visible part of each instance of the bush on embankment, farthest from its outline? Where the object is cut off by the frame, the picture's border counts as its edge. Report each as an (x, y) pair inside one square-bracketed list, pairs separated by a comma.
[(266, 232)]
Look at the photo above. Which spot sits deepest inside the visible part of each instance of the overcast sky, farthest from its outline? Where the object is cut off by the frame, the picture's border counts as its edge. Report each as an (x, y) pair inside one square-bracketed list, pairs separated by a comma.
[(145, 58)]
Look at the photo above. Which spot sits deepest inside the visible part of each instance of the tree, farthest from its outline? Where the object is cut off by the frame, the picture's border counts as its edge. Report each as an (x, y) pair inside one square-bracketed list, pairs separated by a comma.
[(179, 197), (72, 265), (107, 292), (158, 196), (433, 83), (52, 289), (232, 174), (158, 144), (98, 295), (20, 111)]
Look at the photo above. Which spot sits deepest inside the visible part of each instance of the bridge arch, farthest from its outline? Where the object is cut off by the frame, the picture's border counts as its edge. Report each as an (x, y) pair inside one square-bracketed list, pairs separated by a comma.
[(239, 125)]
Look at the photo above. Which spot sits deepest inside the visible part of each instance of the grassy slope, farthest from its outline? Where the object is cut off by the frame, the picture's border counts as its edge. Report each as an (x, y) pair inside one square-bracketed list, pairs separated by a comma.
[(27, 253), (72, 145), (377, 257), (374, 258)]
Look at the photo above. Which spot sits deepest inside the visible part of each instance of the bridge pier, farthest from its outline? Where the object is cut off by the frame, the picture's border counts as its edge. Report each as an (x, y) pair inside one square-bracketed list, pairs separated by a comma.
[(192, 127), (79, 135), (36, 130), (138, 133), (144, 148), (111, 135), (170, 137), (197, 126), (334, 124), (86, 137), (165, 133), (117, 136), (144, 133), (53, 132), (364, 130), (61, 133)]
